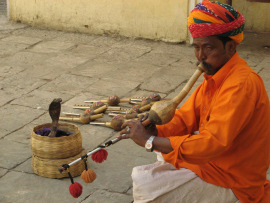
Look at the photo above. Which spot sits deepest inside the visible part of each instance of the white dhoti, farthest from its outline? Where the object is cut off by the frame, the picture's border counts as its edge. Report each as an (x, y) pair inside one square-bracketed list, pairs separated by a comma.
[(160, 182)]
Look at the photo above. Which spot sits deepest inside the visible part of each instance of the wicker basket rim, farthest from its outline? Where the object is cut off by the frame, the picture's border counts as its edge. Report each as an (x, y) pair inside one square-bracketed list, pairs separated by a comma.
[(76, 130)]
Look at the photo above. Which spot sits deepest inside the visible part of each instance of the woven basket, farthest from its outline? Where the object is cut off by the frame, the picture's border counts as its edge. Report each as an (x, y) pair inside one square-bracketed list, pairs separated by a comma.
[(57, 147), (49, 167)]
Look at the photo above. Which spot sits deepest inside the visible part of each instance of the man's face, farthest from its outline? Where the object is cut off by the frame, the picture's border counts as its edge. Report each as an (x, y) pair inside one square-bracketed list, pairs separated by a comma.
[(211, 52)]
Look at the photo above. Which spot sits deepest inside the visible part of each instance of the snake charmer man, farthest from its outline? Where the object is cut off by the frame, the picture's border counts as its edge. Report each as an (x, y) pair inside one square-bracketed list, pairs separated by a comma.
[(217, 146)]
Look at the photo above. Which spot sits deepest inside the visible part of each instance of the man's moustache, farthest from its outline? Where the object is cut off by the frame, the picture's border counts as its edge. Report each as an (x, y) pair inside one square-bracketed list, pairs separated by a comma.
[(206, 65)]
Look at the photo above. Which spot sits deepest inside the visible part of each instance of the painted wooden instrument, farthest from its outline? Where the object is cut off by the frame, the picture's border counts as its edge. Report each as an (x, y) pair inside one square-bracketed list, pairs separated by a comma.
[(115, 100), (139, 108), (116, 122), (152, 98), (84, 118), (128, 115), (109, 108)]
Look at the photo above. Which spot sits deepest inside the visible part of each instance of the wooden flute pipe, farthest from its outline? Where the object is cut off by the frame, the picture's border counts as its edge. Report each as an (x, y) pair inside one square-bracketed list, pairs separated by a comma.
[(89, 111), (128, 115), (108, 108), (146, 107), (139, 109), (134, 111), (146, 104), (102, 123), (162, 112), (84, 118), (152, 98), (115, 100), (123, 100), (98, 110), (115, 123)]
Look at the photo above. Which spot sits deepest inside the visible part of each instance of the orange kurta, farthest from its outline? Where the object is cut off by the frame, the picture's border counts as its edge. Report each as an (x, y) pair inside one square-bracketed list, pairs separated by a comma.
[(231, 111)]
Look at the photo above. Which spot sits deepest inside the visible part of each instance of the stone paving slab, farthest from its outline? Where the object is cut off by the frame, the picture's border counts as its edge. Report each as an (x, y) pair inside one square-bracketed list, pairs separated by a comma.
[(40, 99), (123, 52), (21, 83), (7, 71), (13, 153), (23, 135), (95, 69), (13, 117), (24, 59), (158, 59), (75, 38), (3, 172), (67, 83), (57, 64), (51, 46), (3, 133), (6, 97), (37, 32), (103, 41), (8, 48), (136, 72), (163, 81), (87, 51), (23, 187), (65, 60), (22, 40), (108, 86), (107, 197)]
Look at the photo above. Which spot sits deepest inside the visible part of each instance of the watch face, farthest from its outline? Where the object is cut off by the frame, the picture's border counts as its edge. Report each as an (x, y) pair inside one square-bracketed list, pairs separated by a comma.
[(148, 146)]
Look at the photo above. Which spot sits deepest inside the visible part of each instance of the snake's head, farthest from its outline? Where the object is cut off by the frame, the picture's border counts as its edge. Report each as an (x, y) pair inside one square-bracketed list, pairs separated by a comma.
[(55, 108), (57, 100)]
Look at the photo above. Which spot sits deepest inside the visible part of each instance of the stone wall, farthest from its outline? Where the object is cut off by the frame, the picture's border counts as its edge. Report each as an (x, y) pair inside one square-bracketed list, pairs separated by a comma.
[(152, 19)]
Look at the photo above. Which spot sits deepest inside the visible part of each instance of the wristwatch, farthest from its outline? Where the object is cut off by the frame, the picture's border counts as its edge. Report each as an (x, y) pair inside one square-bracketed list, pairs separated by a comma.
[(149, 144)]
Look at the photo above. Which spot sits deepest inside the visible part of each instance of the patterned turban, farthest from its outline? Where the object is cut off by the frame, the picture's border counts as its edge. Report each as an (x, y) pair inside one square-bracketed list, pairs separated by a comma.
[(215, 18)]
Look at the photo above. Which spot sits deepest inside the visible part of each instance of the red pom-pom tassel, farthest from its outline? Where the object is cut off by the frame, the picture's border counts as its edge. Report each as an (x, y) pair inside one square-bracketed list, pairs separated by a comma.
[(100, 156), (75, 189)]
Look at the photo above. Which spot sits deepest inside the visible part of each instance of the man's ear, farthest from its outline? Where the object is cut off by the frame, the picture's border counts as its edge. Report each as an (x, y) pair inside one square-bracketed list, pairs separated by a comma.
[(231, 47)]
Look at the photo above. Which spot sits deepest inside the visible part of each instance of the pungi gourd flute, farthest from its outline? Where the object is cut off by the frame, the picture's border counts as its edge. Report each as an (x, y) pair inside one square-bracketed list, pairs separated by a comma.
[(160, 113)]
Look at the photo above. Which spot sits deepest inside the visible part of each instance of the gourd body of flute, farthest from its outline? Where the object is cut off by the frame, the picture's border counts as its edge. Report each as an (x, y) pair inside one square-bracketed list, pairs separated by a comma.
[(162, 112)]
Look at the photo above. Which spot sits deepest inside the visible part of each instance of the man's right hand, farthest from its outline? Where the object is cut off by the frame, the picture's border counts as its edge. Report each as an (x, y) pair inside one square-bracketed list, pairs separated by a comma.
[(151, 128)]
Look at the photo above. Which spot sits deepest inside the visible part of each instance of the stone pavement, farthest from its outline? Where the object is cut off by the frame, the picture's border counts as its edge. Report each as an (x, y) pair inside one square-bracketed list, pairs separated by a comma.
[(38, 65)]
